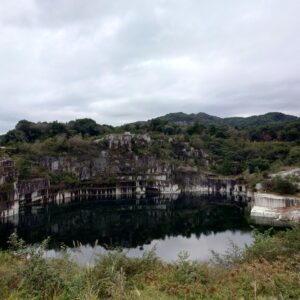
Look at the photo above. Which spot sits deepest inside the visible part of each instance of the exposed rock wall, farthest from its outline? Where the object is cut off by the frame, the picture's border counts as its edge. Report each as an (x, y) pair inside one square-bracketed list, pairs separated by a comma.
[(40, 190), (29, 191), (7, 170), (116, 165), (106, 162), (189, 179), (276, 209)]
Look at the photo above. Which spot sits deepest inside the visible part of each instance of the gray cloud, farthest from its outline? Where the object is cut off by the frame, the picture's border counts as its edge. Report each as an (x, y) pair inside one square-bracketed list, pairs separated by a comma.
[(121, 61)]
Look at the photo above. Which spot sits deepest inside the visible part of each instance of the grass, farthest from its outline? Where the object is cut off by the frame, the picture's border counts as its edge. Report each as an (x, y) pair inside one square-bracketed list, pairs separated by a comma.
[(267, 269)]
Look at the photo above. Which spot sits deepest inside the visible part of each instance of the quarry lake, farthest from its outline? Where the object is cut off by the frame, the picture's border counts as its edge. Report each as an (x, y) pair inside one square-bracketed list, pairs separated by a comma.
[(172, 223)]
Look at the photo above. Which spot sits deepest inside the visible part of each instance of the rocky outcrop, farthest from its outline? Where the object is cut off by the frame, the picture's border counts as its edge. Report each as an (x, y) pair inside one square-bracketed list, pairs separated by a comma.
[(166, 181), (190, 179), (275, 209), (124, 141), (8, 177), (287, 173), (118, 164), (34, 190), (15, 192), (7, 170), (105, 163)]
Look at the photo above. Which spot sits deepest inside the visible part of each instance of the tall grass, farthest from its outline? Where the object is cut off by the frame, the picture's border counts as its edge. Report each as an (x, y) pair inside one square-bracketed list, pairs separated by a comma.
[(267, 269)]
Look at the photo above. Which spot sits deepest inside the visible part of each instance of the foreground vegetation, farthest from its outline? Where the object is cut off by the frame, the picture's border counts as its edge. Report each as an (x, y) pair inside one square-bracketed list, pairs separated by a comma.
[(267, 269)]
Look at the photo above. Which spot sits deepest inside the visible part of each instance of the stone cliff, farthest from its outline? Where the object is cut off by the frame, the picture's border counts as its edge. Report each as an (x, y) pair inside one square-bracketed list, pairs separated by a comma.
[(275, 209), (113, 165)]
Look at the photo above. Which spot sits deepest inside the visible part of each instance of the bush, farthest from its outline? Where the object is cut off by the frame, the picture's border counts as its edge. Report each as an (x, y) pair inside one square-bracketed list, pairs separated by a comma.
[(115, 271), (294, 155), (186, 269), (258, 164), (63, 178), (271, 246), (24, 168), (39, 278), (281, 186)]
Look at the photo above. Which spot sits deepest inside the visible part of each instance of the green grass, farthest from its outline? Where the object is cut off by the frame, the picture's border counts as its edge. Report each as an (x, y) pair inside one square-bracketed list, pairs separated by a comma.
[(267, 269)]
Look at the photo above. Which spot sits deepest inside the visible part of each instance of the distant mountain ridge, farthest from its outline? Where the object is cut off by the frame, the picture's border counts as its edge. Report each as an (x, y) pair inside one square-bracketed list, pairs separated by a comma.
[(29, 131), (240, 122)]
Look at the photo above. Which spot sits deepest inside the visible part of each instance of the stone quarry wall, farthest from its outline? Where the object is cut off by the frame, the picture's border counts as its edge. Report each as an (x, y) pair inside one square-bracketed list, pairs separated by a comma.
[(7, 170), (40, 191), (8, 177), (130, 173), (30, 191), (276, 209), (190, 180)]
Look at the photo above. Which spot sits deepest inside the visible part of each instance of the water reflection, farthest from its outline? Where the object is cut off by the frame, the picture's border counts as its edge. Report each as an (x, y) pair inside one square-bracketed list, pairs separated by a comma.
[(265, 222), (198, 248), (196, 223)]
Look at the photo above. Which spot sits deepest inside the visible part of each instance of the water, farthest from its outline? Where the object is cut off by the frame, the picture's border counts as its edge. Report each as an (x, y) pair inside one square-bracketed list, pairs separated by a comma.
[(193, 223)]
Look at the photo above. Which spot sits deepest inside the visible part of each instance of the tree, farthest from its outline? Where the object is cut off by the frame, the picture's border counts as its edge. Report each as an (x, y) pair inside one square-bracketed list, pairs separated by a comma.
[(294, 155), (85, 127), (31, 130), (56, 128), (281, 186), (14, 136), (258, 164), (196, 128)]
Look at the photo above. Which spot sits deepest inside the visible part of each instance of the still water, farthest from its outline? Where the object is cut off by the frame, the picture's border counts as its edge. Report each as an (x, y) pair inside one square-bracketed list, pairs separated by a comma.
[(188, 222)]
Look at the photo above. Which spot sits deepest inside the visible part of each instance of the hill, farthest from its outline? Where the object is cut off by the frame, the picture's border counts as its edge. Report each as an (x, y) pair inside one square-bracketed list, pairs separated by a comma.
[(240, 122), (260, 120), (187, 119)]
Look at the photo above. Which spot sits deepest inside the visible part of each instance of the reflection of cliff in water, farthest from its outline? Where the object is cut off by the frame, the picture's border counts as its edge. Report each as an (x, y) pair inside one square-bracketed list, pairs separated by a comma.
[(127, 222)]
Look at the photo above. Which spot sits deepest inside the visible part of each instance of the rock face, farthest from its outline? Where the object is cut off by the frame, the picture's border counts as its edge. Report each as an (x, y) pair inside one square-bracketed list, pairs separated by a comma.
[(190, 180), (292, 172), (105, 163), (7, 170), (112, 154), (14, 192), (32, 190), (8, 177), (124, 141), (117, 164), (275, 209)]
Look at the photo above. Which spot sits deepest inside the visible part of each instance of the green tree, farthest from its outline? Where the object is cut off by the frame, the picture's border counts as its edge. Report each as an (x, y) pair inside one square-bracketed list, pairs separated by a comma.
[(85, 127)]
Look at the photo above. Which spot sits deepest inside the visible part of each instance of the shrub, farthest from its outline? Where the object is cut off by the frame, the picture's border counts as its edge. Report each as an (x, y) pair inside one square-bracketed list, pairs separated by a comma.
[(65, 178), (271, 246), (39, 279), (186, 269), (232, 256), (24, 168), (280, 185), (294, 155)]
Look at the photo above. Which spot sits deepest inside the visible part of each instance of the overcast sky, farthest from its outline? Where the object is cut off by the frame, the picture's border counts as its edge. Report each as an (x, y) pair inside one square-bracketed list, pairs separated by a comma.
[(119, 61)]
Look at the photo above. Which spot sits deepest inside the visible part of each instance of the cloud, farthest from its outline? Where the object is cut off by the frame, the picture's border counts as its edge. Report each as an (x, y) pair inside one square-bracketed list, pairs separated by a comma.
[(121, 61)]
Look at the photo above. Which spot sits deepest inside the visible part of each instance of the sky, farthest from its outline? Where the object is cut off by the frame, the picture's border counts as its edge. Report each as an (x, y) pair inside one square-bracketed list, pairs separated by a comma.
[(122, 61)]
